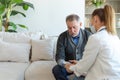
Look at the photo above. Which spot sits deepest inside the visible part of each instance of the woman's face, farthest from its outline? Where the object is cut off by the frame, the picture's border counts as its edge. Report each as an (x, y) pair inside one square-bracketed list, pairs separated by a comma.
[(95, 21)]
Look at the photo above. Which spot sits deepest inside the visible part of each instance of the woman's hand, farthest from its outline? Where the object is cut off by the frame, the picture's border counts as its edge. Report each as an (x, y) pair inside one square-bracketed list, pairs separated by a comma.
[(67, 66)]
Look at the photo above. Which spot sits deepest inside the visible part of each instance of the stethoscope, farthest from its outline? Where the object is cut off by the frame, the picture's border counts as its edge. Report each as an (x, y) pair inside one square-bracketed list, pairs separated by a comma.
[(102, 29)]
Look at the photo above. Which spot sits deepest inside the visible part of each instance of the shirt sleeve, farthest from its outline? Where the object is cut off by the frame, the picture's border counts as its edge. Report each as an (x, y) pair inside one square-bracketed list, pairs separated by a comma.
[(89, 56)]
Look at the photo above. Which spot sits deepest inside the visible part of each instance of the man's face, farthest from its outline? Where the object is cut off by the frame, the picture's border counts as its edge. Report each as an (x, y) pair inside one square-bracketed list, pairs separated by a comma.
[(73, 27)]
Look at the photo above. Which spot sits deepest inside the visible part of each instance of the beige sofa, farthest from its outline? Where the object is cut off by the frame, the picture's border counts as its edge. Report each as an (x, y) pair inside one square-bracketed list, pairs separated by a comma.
[(24, 56)]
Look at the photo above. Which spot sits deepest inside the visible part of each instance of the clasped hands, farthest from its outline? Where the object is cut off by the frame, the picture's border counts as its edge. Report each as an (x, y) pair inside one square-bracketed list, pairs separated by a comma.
[(71, 63)]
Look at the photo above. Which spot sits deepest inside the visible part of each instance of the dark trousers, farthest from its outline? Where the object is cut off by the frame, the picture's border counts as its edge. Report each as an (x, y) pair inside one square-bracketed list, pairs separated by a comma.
[(60, 73)]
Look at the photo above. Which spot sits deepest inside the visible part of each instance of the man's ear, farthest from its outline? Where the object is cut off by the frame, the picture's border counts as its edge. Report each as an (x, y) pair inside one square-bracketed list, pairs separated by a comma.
[(80, 23)]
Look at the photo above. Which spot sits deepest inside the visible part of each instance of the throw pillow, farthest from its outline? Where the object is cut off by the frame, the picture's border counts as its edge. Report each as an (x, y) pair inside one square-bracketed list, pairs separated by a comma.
[(42, 49), (14, 52)]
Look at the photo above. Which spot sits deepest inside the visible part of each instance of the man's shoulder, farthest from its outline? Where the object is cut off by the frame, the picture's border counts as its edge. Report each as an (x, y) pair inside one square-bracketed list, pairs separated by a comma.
[(86, 32), (63, 34), (62, 37)]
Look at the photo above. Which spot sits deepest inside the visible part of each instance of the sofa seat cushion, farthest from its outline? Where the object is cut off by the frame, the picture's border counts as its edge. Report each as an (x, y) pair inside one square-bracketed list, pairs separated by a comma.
[(12, 71), (40, 70)]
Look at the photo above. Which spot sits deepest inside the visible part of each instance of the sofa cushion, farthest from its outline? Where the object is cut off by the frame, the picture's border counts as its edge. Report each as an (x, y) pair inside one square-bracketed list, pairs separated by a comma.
[(12, 71), (1, 39), (1, 35), (40, 70), (18, 52), (42, 49)]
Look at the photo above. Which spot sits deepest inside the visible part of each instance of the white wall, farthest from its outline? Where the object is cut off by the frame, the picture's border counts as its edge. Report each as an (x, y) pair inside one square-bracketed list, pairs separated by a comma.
[(49, 15)]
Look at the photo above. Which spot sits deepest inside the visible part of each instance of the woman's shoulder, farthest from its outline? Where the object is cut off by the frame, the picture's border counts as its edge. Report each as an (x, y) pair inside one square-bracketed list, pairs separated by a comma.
[(95, 37)]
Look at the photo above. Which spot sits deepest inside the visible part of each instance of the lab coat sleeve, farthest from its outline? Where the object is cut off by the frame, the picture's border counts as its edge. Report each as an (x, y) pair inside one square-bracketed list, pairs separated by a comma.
[(89, 56)]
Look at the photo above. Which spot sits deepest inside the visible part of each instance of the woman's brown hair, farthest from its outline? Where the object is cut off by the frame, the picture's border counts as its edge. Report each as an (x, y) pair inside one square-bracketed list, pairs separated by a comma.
[(107, 15), (110, 19)]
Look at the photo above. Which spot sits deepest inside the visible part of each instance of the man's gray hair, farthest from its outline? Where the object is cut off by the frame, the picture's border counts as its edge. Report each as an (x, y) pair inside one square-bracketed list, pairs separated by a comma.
[(72, 17)]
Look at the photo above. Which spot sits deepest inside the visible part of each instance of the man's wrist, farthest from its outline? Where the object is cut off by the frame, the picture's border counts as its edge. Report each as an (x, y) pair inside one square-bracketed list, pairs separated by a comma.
[(65, 62), (62, 62)]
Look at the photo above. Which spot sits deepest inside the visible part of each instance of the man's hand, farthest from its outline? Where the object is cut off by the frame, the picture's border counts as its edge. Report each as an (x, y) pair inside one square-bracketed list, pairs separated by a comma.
[(67, 66), (73, 61)]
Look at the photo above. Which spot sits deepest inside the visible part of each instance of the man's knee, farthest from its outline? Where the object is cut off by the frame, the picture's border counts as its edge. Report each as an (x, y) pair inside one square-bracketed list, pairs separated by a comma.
[(56, 69)]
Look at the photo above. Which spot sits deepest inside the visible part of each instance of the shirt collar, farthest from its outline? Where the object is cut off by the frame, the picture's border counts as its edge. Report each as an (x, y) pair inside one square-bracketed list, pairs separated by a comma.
[(77, 36), (101, 28)]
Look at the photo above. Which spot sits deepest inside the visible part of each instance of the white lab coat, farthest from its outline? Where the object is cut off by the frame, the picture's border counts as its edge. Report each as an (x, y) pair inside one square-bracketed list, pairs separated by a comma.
[(101, 59)]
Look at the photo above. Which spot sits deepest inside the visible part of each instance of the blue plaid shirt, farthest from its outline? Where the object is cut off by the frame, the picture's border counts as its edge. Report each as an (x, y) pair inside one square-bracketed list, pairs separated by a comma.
[(76, 39)]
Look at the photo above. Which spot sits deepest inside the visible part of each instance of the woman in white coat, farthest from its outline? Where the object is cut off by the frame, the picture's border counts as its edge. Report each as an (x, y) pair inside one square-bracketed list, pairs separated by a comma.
[(101, 59)]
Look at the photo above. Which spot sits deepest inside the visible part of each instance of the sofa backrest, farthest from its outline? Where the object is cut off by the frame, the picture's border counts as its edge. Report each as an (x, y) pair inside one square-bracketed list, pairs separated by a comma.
[(16, 47)]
